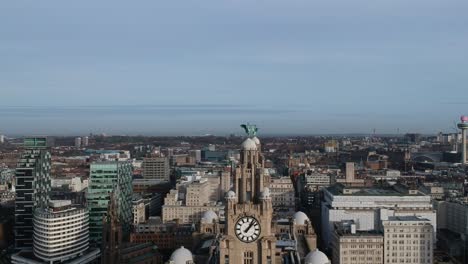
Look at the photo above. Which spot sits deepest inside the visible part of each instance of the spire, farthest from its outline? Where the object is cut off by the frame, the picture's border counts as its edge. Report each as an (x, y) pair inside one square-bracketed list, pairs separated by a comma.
[(113, 207)]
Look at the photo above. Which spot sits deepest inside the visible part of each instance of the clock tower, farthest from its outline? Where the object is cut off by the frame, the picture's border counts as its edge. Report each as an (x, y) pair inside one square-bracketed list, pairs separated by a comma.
[(248, 236)]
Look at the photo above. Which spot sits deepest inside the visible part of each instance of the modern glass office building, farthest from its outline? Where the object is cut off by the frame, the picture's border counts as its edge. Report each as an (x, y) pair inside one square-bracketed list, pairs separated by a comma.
[(32, 183), (105, 178)]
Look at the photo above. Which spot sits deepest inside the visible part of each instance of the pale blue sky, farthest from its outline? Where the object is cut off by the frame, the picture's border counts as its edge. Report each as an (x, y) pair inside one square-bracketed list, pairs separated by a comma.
[(188, 67)]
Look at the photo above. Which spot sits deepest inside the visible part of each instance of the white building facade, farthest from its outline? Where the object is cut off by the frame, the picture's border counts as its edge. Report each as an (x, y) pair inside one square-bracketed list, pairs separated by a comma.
[(282, 192), (408, 240), (369, 206), (60, 232)]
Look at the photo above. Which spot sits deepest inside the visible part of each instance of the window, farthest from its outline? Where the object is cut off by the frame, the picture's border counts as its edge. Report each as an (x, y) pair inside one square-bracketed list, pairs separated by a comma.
[(248, 257)]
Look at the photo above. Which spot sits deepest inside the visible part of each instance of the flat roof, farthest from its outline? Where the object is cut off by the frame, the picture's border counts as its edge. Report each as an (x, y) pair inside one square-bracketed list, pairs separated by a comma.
[(367, 191), (407, 218)]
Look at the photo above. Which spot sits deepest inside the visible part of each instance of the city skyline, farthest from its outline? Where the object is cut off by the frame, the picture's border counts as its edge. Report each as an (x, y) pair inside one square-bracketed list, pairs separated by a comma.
[(235, 131), (296, 67)]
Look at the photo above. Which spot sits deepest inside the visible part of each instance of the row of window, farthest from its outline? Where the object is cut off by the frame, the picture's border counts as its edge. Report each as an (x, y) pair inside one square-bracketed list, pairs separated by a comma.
[(407, 235), (405, 260), (362, 246)]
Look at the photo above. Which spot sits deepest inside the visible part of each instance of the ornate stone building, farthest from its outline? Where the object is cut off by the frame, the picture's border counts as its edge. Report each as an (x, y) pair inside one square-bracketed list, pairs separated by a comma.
[(250, 232), (248, 236)]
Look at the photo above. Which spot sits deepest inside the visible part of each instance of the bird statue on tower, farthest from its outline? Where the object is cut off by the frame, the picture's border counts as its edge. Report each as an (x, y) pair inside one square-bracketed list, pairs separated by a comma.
[(251, 130)]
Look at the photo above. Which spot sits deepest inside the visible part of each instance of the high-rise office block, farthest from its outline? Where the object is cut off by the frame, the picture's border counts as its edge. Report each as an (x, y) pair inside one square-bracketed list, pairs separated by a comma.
[(156, 168), (107, 177), (60, 236), (32, 183), (60, 231)]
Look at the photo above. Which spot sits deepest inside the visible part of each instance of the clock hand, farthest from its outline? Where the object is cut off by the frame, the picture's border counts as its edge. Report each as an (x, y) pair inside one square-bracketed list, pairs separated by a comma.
[(248, 228)]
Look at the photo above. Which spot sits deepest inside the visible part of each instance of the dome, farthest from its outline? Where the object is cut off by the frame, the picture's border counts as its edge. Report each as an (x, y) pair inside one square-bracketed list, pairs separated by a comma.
[(316, 257), (209, 216), (256, 140), (231, 195), (265, 194), (181, 256), (300, 218), (249, 144)]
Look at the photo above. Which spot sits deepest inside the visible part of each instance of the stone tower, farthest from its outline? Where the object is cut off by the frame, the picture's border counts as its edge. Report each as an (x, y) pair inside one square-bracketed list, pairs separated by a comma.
[(248, 237), (112, 232)]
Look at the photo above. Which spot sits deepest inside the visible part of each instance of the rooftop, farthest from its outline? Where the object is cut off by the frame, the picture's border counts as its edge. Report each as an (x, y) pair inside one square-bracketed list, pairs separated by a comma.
[(59, 203), (344, 228), (407, 218), (339, 189), (135, 247)]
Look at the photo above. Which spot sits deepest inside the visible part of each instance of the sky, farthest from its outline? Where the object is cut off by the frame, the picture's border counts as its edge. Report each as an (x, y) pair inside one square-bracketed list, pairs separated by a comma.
[(195, 67)]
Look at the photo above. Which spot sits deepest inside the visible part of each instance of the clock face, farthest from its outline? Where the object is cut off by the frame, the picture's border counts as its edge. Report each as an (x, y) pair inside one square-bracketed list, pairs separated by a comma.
[(247, 229)]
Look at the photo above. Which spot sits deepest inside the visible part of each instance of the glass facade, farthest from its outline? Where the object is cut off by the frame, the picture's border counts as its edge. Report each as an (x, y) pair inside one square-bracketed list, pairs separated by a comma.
[(33, 185), (106, 177)]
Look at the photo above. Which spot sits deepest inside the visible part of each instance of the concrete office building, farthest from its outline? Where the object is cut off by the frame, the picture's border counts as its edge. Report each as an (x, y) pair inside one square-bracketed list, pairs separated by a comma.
[(32, 183), (452, 225), (61, 235), (309, 186), (369, 206), (138, 209), (408, 239), (107, 177), (282, 193), (215, 184), (453, 215), (351, 246), (60, 231), (156, 168), (189, 206), (197, 193)]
